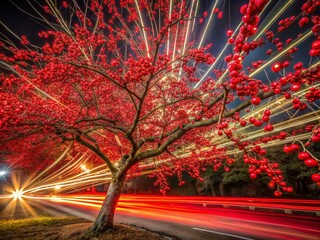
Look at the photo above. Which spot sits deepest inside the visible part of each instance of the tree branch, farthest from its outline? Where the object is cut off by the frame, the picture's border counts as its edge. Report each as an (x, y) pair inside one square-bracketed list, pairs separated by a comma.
[(97, 151), (179, 133)]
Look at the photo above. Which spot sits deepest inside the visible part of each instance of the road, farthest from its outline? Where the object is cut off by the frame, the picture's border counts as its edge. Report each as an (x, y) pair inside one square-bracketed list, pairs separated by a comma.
[(193, 218)]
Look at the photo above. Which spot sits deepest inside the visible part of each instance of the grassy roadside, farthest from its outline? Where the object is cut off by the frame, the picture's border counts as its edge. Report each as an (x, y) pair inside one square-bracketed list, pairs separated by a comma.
[(68, 228), (13, 225)]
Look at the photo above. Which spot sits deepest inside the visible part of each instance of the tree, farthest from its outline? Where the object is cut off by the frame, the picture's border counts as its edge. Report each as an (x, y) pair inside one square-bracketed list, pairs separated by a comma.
[(136, 82)]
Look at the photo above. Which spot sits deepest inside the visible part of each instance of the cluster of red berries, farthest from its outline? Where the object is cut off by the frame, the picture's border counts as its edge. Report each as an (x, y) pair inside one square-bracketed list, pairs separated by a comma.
[(309, 161)]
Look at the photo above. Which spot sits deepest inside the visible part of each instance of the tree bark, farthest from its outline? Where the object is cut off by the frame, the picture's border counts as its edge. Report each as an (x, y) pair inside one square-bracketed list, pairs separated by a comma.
[(104, 220)]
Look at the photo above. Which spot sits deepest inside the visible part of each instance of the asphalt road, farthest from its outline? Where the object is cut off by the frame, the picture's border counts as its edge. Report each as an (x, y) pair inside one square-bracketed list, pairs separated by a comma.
[(190, 221)]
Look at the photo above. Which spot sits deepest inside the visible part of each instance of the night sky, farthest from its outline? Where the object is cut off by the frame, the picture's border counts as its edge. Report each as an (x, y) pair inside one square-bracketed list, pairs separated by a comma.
[(16, 20)]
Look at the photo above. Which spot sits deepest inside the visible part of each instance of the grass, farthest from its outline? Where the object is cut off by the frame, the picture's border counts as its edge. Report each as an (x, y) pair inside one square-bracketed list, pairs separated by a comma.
[(20, 226), (10, 225), (67, 228)]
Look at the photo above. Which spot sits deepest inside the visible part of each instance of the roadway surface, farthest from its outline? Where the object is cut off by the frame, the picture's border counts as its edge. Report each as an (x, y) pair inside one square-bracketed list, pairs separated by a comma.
[(194, 218)]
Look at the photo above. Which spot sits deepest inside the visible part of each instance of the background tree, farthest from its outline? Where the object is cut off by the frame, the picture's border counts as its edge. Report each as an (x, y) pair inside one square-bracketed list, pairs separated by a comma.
[(136, 83)]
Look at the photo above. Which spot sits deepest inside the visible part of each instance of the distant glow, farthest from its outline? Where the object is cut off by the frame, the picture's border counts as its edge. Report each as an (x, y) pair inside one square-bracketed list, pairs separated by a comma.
[(17, 195), (58, 187), (3, 172)]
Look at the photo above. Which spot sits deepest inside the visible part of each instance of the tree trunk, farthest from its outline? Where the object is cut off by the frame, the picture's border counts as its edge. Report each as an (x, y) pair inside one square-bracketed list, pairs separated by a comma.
[(104, 220)]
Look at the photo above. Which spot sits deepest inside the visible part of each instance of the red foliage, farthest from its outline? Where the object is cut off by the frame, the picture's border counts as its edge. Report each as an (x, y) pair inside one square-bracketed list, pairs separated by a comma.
[(133, 89)]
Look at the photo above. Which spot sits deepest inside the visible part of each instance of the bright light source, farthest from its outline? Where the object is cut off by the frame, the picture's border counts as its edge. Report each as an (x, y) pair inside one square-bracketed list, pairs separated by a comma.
[(17, 195), (58, 187), (3, 172), (84, 168)]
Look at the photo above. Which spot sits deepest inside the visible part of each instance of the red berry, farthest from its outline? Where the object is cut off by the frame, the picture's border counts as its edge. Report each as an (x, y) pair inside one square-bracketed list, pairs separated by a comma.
[(252, 120), (282, 135), (316, 44), (295, 87), (303, 21), (277, 193), (315, 138), (295, 147), (271, 184), (267, 112), (309, 128), (268, 128), (258, 123), (276, 67), (229, 33), (282, 184), (287, 149), (315, 177), (298, 66), (263, 152), (243, 123), (246, 18), (260, 3), (289, 189), (243, 8), (253, 176), (285, 64), (314, 52), (287, 95), (231, 40), (303, 155), (310, 162), (255, 100), (228, 58), (265, 118)]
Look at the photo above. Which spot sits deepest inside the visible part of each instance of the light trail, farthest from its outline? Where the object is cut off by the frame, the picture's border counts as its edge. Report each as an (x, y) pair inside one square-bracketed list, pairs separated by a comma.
[(221, 54), (195, 13), (187, 31), (143, 27), (176, 38), (260, 31), (294, 43), (186, 37), (276, 14), (169, 30), (212, 213), (52, 165), (209, 23)]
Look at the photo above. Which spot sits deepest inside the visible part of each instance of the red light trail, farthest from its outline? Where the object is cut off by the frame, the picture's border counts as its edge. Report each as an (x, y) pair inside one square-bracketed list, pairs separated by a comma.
[(211, 214)]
